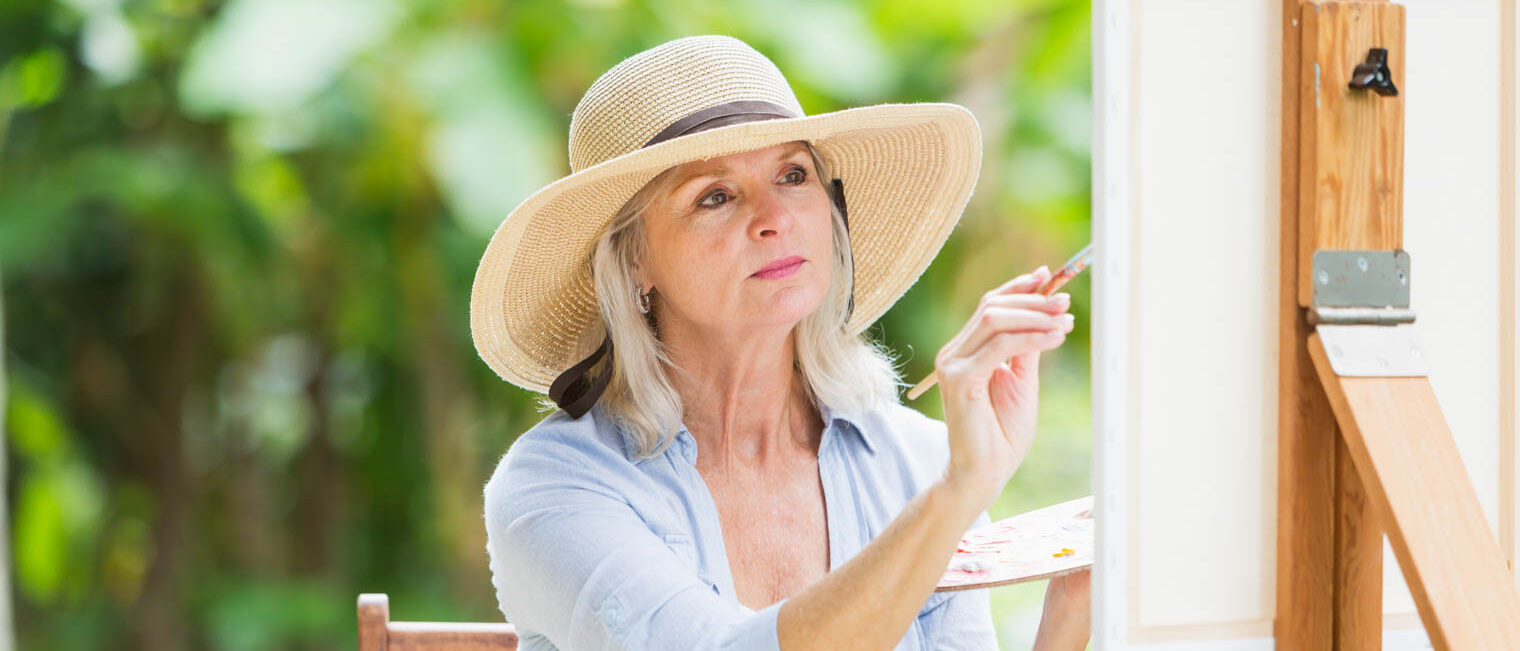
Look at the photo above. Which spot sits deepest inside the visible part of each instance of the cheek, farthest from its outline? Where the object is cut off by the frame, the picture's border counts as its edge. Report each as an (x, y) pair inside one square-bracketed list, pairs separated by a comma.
[(821, 241), (690, 264)]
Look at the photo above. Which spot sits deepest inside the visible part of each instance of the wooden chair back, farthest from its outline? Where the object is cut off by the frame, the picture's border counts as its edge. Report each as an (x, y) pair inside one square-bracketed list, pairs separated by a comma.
[(378, 633)]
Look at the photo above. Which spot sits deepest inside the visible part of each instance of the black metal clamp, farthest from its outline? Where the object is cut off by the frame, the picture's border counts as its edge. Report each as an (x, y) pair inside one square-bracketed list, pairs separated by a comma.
[(1374, 74)]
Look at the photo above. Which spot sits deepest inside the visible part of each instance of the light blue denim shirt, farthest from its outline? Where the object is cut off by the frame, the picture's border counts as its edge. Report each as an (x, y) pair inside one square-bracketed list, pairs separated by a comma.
[(591, 549)]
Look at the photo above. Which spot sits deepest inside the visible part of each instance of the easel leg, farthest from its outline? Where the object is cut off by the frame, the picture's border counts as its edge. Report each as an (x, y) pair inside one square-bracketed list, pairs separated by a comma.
[(1337, 193), (1358, 559), (1305, 604)]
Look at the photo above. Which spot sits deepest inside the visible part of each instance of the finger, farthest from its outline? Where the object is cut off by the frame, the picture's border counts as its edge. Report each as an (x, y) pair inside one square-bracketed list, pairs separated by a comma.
[(1025, 283), (1009, 344), (991, 322), (996, 320), (1054, 304), (1009, 398)]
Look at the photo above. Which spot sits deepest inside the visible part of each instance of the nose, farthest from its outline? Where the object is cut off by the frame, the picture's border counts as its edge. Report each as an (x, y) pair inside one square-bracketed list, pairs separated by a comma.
[(772, 216)]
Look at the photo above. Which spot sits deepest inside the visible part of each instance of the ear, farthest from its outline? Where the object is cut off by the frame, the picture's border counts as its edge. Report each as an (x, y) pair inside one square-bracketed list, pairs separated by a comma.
[(636, 273)]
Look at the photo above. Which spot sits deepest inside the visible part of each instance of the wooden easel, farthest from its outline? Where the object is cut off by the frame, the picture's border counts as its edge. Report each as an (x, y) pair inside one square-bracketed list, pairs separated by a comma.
[(1363, 450)]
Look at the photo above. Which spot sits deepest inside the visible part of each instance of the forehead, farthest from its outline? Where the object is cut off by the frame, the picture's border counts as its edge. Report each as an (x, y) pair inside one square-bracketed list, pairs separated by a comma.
[(724, 164)]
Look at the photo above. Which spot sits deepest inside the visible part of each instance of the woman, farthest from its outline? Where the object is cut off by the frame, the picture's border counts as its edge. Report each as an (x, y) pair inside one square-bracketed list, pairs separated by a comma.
[(730, 467)]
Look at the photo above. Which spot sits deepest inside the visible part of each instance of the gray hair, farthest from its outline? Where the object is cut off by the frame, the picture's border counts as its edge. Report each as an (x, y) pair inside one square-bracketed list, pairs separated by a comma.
[(844, 371)]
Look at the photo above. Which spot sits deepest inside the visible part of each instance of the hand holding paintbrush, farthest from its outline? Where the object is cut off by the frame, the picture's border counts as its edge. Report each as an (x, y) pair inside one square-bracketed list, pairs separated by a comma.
[(1074, 266)]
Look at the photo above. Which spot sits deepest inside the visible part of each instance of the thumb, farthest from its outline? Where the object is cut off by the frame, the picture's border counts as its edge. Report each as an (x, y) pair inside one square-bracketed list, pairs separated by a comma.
[(1024, 372), (1004, 387), (1006, 396)]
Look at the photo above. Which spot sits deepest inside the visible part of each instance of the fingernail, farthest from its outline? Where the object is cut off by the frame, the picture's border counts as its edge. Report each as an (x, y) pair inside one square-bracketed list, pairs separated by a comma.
[(1044, 268), (1069, 318), (1060, 299)]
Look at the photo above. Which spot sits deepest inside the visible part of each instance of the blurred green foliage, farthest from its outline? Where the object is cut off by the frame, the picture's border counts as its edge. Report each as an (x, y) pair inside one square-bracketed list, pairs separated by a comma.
[(237, 241)]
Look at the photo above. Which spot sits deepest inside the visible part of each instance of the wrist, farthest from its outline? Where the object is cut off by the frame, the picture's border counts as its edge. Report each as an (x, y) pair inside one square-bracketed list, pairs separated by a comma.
[(966, 499), (1066, 622), (1059, 633)]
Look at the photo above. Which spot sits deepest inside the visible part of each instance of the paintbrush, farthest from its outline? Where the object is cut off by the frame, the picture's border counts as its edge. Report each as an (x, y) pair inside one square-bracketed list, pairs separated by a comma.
[(1074, 266)]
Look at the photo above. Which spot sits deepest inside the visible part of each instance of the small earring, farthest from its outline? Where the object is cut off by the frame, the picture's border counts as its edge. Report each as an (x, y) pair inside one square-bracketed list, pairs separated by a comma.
[(642, 299)]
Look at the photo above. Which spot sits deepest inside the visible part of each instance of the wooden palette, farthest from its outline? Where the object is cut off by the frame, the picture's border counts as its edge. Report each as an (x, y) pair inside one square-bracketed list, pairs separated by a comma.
[(1040, 544)]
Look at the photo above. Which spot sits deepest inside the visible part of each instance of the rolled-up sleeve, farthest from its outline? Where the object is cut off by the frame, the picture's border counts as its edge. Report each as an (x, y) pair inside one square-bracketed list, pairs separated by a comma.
[(573, 562)]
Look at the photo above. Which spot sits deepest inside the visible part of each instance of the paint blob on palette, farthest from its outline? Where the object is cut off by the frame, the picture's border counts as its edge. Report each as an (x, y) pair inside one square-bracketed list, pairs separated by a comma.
[(1040, 544)]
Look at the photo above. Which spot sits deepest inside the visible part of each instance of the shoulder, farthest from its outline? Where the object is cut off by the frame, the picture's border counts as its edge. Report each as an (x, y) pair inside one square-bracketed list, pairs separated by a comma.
[(906, 430), (560, 454), (915, 445)]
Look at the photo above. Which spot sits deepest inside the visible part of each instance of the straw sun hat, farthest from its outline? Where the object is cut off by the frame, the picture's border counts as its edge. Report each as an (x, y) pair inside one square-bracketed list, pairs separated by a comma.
[(907, 169)]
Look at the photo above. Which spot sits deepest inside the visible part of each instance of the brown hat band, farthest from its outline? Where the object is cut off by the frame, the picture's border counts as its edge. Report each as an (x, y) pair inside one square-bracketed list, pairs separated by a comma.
[(720, 115)]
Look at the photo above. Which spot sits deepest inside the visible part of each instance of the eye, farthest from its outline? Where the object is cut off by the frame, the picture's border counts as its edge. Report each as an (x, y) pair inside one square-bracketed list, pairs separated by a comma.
[(714, 199), (796, 176)]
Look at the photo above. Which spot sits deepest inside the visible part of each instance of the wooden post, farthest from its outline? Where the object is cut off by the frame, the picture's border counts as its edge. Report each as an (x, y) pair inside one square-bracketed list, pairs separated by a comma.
[(1342, 188), (1351, 196), (374, 618), (1305, 424), (1386, 456), (1358, 558)]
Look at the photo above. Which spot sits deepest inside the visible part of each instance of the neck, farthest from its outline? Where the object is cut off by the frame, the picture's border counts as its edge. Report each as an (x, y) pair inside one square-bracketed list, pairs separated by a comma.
[(744, 402)]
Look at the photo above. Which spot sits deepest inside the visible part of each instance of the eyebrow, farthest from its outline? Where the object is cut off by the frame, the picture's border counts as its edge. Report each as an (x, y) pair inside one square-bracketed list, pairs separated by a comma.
[(724, 169)]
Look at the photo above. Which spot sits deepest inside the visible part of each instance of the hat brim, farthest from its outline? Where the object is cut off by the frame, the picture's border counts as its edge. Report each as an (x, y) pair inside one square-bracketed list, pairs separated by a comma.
[(908, 171)]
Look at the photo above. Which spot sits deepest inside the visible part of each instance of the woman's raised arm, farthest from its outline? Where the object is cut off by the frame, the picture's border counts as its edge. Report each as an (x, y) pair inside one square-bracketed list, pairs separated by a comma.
[(870, 601)]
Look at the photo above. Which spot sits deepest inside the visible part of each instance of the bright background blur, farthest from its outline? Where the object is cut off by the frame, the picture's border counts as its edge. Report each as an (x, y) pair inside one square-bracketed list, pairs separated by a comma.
[(237, 241)]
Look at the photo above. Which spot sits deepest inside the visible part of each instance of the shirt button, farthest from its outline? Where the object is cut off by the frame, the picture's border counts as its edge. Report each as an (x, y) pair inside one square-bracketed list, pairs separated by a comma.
[(610, 615), (708, 580)]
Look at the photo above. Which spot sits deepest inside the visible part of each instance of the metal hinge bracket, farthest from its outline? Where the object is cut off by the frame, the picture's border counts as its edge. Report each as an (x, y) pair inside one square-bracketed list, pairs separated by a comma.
[(1361, 312)]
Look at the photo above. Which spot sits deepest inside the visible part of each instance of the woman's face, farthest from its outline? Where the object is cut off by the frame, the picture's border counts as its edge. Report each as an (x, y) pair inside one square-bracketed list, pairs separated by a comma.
[(740, 242)]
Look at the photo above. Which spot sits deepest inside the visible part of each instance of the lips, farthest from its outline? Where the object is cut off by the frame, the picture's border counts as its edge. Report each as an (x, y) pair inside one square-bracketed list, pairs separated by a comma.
[(781, 268)]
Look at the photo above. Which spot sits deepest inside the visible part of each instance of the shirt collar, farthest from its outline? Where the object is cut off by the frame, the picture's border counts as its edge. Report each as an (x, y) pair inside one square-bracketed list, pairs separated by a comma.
[(849, 421), (683, 443)]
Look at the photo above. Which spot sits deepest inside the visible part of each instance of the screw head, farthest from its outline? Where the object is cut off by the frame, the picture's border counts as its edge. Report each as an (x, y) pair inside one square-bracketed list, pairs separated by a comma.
[(1361, 263), (1324, 278)]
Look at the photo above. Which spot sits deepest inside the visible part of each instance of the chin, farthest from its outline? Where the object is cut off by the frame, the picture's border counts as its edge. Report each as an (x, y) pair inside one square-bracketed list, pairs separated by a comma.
[(790, 306)]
